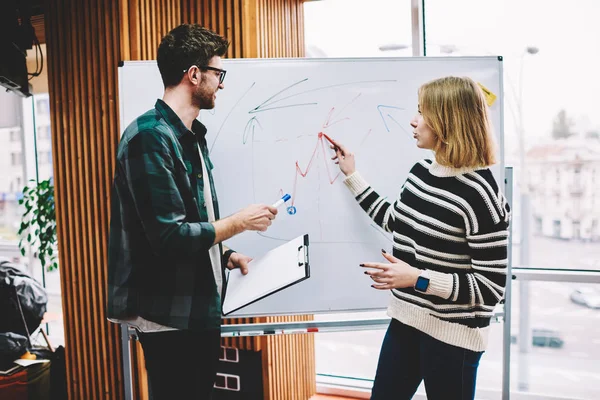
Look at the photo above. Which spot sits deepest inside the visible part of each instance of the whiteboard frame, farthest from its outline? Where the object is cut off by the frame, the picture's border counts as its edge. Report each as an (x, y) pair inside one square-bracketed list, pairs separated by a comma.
[(498, 169)]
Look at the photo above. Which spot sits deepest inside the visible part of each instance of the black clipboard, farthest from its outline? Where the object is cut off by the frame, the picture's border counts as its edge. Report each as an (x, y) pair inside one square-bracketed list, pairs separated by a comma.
[(276, 270)]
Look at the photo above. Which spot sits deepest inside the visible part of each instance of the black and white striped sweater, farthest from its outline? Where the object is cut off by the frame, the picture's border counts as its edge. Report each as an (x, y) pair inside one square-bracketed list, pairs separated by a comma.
[(454, 223)]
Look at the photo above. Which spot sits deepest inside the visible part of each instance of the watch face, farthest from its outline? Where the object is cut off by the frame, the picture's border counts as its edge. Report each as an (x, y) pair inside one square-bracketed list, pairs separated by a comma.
[(422, 284)]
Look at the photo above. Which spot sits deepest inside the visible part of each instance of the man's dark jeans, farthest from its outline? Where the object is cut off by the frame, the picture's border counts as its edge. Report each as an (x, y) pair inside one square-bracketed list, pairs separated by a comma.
[(409, 356), (181, 364)]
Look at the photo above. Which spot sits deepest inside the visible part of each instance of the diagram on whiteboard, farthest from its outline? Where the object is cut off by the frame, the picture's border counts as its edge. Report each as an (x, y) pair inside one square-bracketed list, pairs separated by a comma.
[(275, 134)]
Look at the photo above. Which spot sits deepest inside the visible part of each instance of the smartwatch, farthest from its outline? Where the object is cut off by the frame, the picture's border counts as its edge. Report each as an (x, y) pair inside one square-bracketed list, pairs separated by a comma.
[(422, 282)]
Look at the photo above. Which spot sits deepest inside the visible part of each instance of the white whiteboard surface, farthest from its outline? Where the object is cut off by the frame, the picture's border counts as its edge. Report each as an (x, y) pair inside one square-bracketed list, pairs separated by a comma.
[(264, 140)]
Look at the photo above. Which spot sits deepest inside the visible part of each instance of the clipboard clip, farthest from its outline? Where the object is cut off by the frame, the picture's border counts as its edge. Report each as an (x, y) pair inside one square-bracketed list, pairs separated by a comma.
[(302, 255)]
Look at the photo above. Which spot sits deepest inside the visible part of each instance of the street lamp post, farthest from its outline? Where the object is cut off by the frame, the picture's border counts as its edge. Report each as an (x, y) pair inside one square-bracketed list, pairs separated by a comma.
[(528, 50), (525, 338)]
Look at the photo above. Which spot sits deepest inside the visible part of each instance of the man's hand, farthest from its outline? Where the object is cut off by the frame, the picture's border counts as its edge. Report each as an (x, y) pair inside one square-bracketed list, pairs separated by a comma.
[(395, 275), (256, 217), (237, 260)]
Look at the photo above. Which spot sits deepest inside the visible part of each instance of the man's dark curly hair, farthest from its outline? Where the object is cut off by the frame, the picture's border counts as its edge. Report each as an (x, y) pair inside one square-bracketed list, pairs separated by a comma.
[(184, 46)]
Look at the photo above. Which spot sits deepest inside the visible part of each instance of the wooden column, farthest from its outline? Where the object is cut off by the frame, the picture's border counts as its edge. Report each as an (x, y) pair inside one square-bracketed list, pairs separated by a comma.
[(85, 41)]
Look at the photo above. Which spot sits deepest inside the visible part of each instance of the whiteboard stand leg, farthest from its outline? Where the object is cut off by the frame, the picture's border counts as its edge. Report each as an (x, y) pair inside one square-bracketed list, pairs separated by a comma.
[(127, 375), (508, 190)]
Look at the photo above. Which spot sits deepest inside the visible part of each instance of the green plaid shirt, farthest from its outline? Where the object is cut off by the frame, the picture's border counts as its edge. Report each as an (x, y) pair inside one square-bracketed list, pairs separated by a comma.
[(158, 262)]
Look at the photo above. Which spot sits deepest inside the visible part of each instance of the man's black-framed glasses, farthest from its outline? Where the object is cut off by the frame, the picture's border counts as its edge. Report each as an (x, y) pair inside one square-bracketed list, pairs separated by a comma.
[(221, 72)]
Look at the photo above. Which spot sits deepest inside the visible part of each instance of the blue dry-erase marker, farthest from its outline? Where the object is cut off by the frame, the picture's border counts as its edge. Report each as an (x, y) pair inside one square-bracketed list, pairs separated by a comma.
[(282, 200)]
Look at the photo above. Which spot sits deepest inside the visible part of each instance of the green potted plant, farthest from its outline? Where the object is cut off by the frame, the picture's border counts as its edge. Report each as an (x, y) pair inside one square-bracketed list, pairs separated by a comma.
[(38, 225)]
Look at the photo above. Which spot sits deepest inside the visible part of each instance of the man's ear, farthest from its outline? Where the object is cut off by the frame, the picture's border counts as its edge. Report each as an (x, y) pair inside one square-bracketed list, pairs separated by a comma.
[(195, 74)]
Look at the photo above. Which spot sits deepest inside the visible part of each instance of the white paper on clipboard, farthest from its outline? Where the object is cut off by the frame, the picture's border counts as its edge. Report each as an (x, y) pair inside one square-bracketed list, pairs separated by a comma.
[(278, 269)]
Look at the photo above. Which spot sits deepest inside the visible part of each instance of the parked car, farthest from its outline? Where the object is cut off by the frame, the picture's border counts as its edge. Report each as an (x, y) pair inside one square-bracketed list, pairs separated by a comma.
[(543, 338), (546, 338), (586, 296)]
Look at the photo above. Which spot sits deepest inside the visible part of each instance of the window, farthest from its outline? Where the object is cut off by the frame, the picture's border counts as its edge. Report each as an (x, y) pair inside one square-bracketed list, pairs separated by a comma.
[(576, 230), (43, 107), (45, 158), (15, 136), (43, 133), (16, 159), (556, 230), (538, 225), (563, 346), (355, 28)]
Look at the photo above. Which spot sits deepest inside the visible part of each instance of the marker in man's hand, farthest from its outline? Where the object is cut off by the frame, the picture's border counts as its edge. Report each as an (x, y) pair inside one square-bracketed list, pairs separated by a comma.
[(282, 200)]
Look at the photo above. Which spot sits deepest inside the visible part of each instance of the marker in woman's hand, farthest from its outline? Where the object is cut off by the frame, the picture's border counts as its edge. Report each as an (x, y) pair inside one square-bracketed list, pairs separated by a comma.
[(282, 200), (330, 140)]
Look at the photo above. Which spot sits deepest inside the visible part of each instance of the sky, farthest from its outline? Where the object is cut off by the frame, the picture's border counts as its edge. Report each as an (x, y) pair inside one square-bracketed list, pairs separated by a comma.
[(564, 74)]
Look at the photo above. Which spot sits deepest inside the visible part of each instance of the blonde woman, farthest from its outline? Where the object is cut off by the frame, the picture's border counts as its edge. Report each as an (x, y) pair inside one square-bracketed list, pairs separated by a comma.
[(448, 268)]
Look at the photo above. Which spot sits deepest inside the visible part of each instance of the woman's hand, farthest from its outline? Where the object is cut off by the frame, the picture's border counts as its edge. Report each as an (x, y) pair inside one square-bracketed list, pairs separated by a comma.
[(344, 158), (395, 275)]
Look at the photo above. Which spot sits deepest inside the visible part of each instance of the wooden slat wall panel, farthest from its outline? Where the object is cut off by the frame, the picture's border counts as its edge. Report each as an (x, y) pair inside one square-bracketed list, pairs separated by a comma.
[(288, 363), (144, 23), (37, 21), (86, 39), (83, 50), (272, 28)]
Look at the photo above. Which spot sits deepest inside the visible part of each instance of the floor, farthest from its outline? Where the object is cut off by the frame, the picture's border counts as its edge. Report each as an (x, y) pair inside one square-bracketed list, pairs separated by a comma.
[(329, 397)]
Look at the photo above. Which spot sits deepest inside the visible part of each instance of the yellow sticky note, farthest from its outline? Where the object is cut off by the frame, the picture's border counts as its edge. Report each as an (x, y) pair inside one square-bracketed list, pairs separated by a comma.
[(490, 97)]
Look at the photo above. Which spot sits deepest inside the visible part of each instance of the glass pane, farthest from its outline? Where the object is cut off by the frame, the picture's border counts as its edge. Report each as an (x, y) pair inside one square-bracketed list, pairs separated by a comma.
[(352, 354), (355, 28), (563, 359), (40, 165), (27, 156), (551, 103), (351, 28), (12, 125)]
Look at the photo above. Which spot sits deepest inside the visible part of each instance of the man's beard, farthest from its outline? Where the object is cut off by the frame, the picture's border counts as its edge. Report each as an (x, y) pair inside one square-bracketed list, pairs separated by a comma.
[(203, 99)]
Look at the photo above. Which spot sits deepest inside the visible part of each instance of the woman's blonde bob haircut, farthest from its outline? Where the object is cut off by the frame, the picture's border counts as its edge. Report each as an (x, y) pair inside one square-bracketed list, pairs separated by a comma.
[(456, 110)]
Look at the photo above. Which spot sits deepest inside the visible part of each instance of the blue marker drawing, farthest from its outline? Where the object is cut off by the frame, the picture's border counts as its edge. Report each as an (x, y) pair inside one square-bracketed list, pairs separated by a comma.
[(380, 107), (387, 127), (291, 210)]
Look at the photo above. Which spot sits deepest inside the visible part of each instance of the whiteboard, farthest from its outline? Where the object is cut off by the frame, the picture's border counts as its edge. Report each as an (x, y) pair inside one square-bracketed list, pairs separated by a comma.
[(264, 138)]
